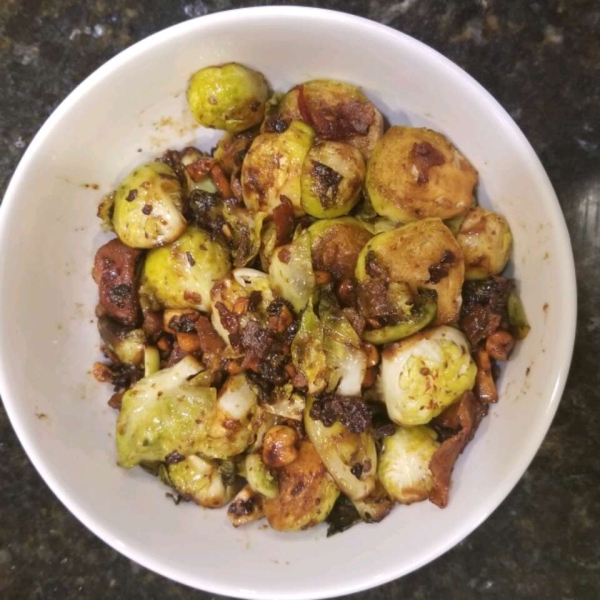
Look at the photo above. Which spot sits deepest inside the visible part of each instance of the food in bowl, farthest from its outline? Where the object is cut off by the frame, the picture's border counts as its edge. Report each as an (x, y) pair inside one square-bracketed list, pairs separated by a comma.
[(304, 324)]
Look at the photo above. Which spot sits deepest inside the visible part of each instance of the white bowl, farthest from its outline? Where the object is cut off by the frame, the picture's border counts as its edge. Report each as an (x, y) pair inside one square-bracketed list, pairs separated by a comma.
[(49, 233)]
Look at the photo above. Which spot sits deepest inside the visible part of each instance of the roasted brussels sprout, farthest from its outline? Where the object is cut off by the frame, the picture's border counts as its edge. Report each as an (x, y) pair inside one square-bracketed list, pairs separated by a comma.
[(519, 325), (232, 148), (198, 479), (182, 274), (423, 254), (404, 464), (306, 493), (344, 352), (332, 178), (416, 173), (376, 506), (291, 274), (244, 228), (230, 97), (164, 414), (273, 167), (232, 427), (336, 244), (287, 403), (338, 111), (246, 507), (151, 360), (124, 343), (350, 458), (485, 240), (424, 374), (259, 477), (148, 205), (308, 352)]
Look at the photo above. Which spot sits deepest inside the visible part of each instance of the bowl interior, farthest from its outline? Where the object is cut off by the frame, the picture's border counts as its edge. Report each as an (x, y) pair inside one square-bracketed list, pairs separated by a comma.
[(131, 110)]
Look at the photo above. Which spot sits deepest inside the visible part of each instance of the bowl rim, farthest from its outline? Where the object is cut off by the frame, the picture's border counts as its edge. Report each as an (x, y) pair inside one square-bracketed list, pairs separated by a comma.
[(566, 268)]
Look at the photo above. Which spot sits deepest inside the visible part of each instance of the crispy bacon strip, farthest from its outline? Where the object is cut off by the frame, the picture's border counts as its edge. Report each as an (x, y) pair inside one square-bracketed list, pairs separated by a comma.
[(467, 413)]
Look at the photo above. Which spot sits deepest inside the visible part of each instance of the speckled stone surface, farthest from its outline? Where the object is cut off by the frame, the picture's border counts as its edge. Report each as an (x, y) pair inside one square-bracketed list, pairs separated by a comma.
[(541, 60)]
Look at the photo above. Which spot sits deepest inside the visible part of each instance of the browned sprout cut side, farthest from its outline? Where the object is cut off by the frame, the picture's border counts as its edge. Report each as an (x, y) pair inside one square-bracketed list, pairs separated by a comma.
[(416, 173)]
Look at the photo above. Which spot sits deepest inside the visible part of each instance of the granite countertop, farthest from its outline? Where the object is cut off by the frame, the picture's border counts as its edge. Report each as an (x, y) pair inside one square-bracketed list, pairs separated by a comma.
[(541, 60)]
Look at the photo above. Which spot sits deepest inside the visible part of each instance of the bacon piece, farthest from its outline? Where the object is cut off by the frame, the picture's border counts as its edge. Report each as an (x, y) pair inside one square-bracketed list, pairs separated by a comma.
[(115, 273), (466, 414)]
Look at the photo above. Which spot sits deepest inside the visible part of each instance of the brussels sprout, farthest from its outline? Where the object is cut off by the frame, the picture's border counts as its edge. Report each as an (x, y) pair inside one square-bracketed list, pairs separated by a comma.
[(485, 240), (376, 506), (422, 314), (291, 273), (148, 205), (332, 177), (346, 358), (245, 228), (424, 374), (232, 148), (268, 243), (198, 479), (308, 352), (370, 220), (126, 344), (259, 478), (163, 414), (415, 173), (285, 402), (273, 166), (350, 458), (229, 97), (151, 361), (336, 244), (338, 111), (182, 274), (519, 325), (246, 507), (240, 285), (232, 427), (306, 493), (423, 254), (404, 464)]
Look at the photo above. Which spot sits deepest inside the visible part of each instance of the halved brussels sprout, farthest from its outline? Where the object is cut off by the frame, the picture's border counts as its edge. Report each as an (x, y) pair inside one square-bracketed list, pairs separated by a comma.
[(198, 479), (230, 97), (259, 477), (306, 493), (424, 374), (404, 464), (291, 273), (338, 111), (346, 358), (182, 274), (332, 178), (336, 244), (517, 318), (485, 240), (415, 173), (423, 254), (148, 205), (232, 427), (126, 344), (273, 166), (164, 414), (308, 352), (285, 402), (350, 458), (245, 228)]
